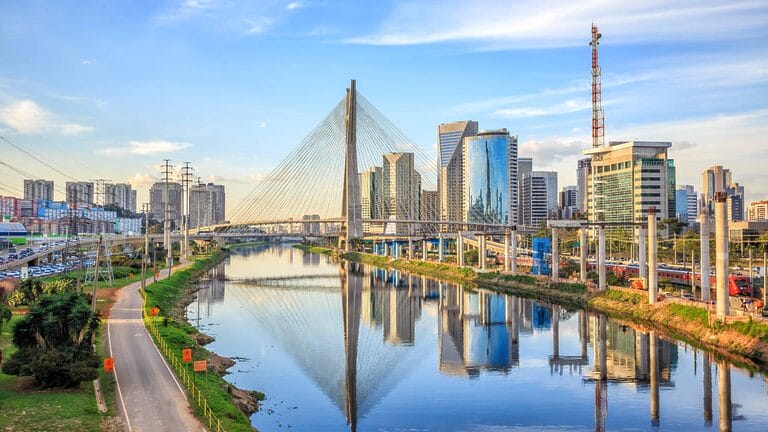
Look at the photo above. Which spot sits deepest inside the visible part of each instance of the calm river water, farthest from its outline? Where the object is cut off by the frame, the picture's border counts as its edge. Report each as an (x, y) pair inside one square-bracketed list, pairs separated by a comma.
[(345, 347)]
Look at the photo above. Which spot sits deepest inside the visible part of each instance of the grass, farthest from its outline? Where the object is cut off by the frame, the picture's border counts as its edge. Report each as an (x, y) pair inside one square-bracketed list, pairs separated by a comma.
[(625, 297), (25, 408), (523, 279), (690, 313), (751, 328), (574, 288), (165, 294)]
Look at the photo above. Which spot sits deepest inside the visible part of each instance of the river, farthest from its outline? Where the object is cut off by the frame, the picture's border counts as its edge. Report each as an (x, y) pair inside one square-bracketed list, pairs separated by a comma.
[(346, 347)]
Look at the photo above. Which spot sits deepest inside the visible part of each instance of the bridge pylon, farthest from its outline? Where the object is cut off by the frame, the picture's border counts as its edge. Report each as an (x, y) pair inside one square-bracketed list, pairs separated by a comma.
[(350, 207)]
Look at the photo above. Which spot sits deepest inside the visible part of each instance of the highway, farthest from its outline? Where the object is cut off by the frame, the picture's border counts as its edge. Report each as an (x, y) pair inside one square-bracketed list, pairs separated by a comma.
[(149, 396)]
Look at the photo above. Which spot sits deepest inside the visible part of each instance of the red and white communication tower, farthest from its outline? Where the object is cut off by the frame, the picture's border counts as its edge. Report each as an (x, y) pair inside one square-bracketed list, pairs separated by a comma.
[(598, 120)]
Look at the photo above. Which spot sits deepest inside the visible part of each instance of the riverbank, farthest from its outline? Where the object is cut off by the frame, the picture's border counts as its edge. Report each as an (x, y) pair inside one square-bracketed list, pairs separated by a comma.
[(745, 343), (229, 404)]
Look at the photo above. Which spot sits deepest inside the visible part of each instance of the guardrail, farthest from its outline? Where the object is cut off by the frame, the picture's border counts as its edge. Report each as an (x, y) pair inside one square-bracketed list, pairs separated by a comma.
[(178, 366)]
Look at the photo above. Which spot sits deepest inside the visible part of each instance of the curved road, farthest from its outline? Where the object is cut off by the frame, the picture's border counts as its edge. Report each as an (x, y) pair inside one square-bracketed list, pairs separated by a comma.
[(149, 397)]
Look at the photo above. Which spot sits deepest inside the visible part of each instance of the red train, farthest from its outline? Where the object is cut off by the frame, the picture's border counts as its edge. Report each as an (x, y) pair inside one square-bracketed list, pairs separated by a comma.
[(737, 284)]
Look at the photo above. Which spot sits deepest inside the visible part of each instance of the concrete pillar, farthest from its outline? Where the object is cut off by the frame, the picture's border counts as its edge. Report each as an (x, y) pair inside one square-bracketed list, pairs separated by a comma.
[(583, 332), (506, 251), (410, 248), (642, 262), (601, 257), (765, 279), (721, 248), (440, 247), (707, 383), (583, 254), (724, 395), (555, 331), (705, 271), (653, 272), (555, 255), (481, 254), (513, 264), (654, 379), (424, 250), (460, 250)]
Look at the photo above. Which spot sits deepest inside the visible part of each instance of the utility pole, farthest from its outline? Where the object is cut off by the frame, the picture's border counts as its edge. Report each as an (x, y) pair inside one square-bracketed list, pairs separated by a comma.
[(167, 170), (96, 273), (145, 257), (186, 180)]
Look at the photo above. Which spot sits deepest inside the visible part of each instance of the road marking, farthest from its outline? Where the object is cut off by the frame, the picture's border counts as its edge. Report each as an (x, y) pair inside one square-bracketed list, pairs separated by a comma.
[(117, 381)]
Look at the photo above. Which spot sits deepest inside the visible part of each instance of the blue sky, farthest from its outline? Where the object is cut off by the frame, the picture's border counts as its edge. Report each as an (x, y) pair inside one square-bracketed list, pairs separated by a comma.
[(107, 89)]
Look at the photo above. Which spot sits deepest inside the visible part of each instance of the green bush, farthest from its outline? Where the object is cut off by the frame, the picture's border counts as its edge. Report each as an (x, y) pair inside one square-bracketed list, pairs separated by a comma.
[(55, 340), (691, 313), (622, 296)]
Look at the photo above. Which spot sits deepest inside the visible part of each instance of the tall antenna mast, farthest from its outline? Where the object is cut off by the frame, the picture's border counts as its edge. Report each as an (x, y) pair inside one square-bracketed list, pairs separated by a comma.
[(598, 119)]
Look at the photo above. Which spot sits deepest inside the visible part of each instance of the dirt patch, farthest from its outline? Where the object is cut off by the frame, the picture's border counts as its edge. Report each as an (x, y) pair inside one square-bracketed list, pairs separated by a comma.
[(247, 401), (220, 363)]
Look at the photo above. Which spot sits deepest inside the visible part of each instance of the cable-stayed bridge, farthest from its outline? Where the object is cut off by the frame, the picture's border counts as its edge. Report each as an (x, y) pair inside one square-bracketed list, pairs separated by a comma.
[(354, 148)]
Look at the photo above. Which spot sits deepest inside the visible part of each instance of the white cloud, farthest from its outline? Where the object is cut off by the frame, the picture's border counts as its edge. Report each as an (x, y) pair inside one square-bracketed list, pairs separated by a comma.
[(566, 107), (528, 23), (295, 5), (258, 25), (263, 125), (27, 117), (144, 148), (142, 181), (88, 61)]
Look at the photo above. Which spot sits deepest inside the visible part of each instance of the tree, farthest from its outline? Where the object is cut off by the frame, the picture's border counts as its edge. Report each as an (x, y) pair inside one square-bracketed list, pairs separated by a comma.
[(5, 315), (55, 340), (674, 225)]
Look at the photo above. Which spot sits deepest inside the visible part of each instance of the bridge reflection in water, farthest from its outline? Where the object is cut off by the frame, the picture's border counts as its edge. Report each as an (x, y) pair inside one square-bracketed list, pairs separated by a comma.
[(359, 355)]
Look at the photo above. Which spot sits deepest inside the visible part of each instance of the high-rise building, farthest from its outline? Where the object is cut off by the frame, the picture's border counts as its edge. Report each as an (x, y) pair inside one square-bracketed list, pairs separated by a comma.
[(539, 197), (429, 209), (757, 211), (524, 165), (80, 194), (121, 195), (400, 186), (628, 179), (157, 200), (583, 169), (718, 179), (371, 196), (206, 205), (40, 190), (568, 200), (450, 137), (686, 204), (489, 171)]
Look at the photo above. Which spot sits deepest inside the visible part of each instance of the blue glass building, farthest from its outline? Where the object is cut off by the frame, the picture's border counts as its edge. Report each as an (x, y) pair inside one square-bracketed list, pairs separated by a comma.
[(490, 178)]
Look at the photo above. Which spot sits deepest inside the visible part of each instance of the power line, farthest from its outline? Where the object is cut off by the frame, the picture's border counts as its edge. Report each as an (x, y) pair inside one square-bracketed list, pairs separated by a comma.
[(35, 157)]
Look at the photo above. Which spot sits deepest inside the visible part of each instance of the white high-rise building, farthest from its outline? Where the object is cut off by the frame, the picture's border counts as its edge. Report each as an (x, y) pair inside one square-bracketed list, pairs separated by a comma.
[(39, 190), (583, 170), (539, 197), (121, 195), (401, 187)]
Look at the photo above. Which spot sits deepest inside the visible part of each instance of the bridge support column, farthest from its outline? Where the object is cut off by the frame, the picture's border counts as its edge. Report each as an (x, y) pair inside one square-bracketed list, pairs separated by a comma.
[(706, 287), (653, 271), (721, 249), (506, 251), (460, 250), (423, 250), (440, 247), (513, 264), (642, 263), (583, 254), (555, 331), (707, 383), (481, 256), (601, 257), (410, 248), (555, 255)]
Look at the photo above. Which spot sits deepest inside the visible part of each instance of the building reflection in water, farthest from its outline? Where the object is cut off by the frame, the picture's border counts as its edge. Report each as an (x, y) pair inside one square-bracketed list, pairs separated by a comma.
[(478, 331)]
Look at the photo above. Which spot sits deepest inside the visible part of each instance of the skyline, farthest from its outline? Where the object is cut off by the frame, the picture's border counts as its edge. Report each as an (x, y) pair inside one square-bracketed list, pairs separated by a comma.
[(233, 87)]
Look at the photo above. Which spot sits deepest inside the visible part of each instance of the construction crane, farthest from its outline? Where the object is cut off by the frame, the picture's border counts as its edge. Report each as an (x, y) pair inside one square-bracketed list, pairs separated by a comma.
[(598, 120)]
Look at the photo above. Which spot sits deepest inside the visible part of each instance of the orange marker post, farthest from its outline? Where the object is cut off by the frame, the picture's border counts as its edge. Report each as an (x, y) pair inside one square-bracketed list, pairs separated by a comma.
[(109, 364), (186, 355)]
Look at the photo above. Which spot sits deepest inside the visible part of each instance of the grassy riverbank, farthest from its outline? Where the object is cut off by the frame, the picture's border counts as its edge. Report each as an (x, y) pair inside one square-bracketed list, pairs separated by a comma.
[(168, 295), (743, 342)]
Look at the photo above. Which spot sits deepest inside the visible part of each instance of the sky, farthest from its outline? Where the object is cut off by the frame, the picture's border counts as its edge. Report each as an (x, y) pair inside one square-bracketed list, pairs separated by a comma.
[(108, 89)]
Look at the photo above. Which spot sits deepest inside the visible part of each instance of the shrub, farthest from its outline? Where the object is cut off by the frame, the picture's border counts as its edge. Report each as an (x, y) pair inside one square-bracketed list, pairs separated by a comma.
[(55, 340)]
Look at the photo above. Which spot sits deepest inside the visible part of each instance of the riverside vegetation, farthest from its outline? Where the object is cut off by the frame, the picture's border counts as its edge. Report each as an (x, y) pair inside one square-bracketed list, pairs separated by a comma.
[(743, 342)]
